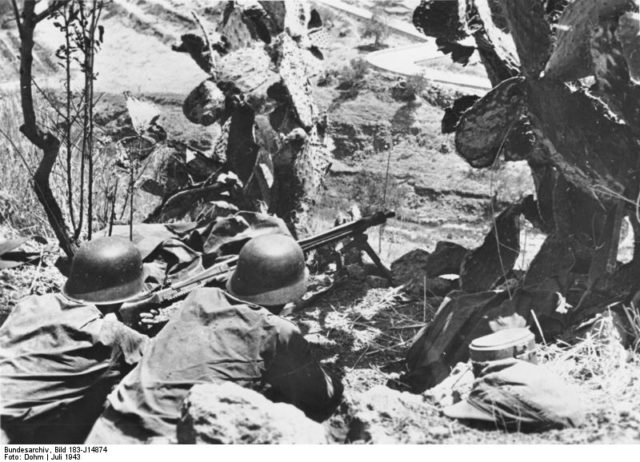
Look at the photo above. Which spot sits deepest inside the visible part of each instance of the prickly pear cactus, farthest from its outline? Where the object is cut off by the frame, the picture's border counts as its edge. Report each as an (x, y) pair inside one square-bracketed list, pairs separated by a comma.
[(259, 62), (566, 99)]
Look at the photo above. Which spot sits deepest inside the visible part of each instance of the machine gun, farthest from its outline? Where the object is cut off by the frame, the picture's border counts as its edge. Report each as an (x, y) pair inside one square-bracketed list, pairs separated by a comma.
[(219, 272)]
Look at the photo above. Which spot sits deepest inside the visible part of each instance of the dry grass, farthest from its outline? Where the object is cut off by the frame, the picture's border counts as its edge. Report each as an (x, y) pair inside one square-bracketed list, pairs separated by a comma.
[(363, 333), (606, 372), (24, 280), (377, 301), (19, 206), (632, 313)]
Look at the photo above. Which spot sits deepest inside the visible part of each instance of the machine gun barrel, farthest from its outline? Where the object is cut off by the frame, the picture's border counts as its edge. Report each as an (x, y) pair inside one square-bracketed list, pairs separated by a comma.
[(218, 270), (348, 229)]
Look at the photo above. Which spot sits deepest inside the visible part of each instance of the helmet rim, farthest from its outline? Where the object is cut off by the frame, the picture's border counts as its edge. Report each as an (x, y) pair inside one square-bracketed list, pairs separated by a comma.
[(92, 297), (275, 297)]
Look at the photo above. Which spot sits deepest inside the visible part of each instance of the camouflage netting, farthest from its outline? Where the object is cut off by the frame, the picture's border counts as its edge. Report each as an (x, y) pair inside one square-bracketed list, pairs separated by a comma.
[(566, 100), (272, 137)]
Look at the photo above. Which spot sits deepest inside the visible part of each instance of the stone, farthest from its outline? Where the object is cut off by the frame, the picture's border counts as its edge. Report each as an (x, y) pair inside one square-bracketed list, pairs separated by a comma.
[(417, 268), (446, 258), (409, 266), (227, 413), (382, 415)]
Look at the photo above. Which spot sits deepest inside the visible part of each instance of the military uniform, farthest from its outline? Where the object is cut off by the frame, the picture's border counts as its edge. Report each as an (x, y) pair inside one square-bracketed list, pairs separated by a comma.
[(214, 337), (58, 361)]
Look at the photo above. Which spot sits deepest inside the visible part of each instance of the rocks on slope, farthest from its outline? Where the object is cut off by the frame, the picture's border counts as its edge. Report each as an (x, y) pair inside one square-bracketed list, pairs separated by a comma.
[(227, 413), (382, 415)]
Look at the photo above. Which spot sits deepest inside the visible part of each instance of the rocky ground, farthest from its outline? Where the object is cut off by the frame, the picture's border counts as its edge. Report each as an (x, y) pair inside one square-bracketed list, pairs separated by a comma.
[(361, 331), (389, 154)]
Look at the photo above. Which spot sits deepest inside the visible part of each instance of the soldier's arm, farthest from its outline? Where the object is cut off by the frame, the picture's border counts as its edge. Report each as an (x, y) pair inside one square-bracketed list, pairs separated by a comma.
[(128, 345), (297, 378)]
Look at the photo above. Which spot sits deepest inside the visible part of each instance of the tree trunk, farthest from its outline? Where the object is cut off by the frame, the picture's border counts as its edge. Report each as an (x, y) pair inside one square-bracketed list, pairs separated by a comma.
[(46, 141)]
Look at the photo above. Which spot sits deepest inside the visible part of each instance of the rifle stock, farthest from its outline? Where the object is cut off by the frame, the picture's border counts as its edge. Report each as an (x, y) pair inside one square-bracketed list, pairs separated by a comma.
[(219, 271)]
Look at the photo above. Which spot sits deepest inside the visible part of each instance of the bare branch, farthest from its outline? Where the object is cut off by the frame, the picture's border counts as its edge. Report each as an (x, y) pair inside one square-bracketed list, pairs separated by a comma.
[(47, 142), (16, 11), (52, 8), (207, 41)]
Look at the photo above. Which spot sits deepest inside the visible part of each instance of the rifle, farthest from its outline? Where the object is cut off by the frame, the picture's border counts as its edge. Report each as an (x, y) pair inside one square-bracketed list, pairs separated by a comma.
[(220, 271)]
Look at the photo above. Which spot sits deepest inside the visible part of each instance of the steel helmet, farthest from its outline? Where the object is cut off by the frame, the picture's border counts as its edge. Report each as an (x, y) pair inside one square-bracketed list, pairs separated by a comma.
[(271, 271), (105, 271)]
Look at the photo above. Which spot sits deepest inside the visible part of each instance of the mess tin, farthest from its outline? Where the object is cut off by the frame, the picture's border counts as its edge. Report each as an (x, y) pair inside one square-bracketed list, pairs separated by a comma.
[(508, 343)]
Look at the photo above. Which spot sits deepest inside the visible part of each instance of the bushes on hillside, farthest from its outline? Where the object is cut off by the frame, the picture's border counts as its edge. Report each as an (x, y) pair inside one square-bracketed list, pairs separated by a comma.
[(377, 28)]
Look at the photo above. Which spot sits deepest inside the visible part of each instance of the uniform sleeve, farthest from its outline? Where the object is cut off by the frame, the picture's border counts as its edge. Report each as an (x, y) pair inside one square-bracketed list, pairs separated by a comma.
[(127, 344), (297, 378)]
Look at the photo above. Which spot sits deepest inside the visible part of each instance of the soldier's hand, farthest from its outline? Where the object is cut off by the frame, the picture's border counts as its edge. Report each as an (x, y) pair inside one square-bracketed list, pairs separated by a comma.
[(149, 319), (130, 311)]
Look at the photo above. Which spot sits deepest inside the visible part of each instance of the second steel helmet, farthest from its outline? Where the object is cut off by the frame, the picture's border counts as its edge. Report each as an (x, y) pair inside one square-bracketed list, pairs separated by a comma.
[(271, 271), (106, 270)]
